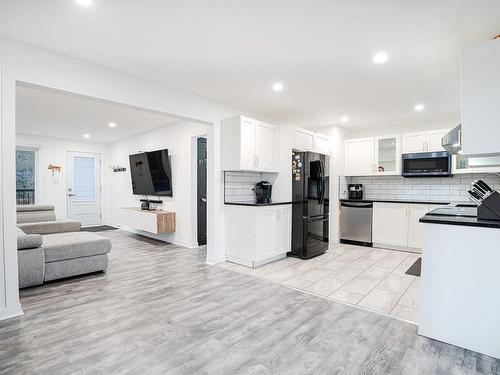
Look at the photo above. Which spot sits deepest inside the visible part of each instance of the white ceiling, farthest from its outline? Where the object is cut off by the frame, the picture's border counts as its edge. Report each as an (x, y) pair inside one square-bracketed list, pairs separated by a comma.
[(57, 114), (233, 50)]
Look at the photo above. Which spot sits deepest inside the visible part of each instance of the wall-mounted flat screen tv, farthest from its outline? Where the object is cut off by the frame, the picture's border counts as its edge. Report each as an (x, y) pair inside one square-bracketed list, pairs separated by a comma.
[(151, 173)]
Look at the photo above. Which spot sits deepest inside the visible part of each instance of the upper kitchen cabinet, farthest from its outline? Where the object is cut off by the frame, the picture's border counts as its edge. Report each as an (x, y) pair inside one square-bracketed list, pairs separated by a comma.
[(303, 139), (322, 144), (388, 155), (434, 139), (423, 141), (306, 140), (480, 71), (248, 145), (359, 157)]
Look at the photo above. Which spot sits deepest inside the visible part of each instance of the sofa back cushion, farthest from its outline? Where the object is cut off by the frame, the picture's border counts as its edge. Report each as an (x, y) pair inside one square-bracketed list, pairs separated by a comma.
[(35, 207), (35, 216)]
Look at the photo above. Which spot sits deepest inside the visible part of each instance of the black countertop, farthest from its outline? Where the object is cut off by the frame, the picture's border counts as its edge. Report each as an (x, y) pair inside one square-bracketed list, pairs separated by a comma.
[(456, 215), (392, 201), (255, 204)]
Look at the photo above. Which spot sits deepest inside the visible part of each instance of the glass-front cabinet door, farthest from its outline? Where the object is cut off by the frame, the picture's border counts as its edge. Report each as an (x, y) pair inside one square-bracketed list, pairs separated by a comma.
[(388, 155)]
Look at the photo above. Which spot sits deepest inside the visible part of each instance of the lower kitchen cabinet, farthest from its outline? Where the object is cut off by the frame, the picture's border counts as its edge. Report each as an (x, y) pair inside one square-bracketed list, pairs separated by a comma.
[(256, 235), (396, 225)]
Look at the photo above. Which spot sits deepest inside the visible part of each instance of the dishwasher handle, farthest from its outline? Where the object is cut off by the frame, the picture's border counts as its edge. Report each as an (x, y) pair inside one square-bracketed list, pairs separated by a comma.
[(356, 205)]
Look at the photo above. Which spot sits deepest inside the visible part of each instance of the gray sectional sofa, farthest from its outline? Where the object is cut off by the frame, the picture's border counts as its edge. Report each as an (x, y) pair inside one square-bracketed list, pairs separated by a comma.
[(50, 249)]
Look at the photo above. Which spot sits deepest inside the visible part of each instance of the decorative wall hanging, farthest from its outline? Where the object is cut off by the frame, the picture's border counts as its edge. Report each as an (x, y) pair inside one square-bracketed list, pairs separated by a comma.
[(117, 168)]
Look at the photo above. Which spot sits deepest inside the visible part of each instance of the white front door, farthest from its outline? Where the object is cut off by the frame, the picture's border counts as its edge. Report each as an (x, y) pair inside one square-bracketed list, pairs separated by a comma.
[(84, 187)]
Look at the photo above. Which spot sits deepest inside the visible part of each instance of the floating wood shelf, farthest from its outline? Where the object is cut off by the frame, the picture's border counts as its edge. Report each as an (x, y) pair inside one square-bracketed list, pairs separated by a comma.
[(155, 221)]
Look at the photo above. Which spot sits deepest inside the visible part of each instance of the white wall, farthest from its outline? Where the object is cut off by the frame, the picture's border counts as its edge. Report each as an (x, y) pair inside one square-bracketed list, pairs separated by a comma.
[(178, 139), (22, 62), (53, 151), (407, 126), (337, 136)]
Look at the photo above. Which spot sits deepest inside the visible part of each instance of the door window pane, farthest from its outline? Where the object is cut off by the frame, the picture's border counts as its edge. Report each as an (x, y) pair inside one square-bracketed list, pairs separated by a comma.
[(83, 179), (25, 176)]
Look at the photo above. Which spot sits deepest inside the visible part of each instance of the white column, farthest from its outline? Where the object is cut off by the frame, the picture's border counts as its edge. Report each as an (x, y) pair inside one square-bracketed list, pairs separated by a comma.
[(9, 291)]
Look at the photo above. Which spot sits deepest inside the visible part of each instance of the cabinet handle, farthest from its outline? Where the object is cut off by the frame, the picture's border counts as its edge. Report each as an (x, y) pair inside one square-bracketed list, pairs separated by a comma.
[(257, 158), (423, 146)]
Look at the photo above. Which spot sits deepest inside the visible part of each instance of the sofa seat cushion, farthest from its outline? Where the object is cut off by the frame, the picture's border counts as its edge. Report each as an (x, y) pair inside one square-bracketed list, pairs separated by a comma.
[(49, 227), (62, 246)]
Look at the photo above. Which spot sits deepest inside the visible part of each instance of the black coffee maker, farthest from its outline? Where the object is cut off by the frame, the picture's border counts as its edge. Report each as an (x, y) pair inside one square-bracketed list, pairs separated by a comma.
[(263, 191), (355, 191)]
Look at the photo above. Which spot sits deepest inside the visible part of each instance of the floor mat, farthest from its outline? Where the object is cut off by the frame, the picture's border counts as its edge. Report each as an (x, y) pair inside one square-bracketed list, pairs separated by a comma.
[(99, 228), (416, 268)]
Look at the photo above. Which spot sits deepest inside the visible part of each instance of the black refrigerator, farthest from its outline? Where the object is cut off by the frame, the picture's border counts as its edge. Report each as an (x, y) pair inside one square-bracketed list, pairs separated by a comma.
[(310, 204)]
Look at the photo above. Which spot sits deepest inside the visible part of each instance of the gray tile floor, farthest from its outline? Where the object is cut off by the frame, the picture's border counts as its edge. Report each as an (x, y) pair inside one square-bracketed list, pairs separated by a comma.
[(370, 278)]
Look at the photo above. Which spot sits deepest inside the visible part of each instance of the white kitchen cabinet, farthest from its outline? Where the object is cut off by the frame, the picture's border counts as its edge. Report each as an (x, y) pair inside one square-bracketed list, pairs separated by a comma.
[(359, 157), (306, 140), (248, 145), (423, 141), (414, 142), (434, 139), (322, 144), (480, 74), (388, 155), (257, 235), (390, 224), (397, 226), (265, 146), (460, 164), (303, 140), (415, 212)]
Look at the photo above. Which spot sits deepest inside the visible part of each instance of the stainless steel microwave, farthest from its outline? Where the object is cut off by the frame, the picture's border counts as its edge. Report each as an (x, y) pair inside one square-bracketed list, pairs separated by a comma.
[(427, 164)]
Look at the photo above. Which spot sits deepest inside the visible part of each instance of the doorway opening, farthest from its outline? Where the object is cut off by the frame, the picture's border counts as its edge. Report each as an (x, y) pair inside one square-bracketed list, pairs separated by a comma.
[(201, 190)]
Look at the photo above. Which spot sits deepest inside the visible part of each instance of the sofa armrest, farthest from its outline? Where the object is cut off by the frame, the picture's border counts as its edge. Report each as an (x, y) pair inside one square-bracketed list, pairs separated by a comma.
[(49, 227), (29, 241)]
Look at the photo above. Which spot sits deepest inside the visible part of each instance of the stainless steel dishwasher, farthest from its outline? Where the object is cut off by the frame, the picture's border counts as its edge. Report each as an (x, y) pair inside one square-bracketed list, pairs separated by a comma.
[(356, 222)]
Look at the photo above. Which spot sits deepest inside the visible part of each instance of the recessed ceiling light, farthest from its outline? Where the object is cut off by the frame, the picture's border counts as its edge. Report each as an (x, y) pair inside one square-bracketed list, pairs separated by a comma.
[(84, 3), (380, 58), (86, 136), (344, 119), (112, 125), (277, 86), (419, 107)]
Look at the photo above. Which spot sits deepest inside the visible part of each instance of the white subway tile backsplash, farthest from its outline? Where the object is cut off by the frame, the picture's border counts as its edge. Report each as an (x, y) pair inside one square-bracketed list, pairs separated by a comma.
[(434, 189), (238, 186)]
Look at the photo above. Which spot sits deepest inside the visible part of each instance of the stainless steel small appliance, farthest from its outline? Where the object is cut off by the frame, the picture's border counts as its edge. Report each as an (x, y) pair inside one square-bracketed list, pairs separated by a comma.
[(356, 222), (427, 164), (355, 191), (263, 191)]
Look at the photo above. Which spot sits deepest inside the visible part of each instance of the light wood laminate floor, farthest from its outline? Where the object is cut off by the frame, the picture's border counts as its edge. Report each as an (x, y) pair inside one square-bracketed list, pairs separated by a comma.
[(161, 310)]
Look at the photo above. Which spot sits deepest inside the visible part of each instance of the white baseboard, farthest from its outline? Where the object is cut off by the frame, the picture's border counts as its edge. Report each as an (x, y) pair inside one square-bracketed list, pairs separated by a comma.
[(188, 244), (11, 313), (214, 261)]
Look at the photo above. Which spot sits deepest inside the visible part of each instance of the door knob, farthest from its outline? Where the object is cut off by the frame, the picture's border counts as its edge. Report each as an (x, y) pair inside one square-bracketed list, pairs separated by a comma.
[(204, 200), (71, 195)]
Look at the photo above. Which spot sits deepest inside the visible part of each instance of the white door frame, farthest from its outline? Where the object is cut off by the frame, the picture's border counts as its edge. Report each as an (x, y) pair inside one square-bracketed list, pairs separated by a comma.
[(99, 174)]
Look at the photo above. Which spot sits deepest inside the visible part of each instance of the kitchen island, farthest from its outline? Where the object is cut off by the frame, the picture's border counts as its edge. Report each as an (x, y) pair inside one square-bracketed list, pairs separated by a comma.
[(460, 279)]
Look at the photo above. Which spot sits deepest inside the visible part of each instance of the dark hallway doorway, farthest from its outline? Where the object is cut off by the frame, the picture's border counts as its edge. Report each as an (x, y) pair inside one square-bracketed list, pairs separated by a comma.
[(202, 190)]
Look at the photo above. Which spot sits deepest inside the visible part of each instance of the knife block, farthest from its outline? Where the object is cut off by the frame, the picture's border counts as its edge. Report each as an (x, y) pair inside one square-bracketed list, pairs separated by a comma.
[(489, 209)]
